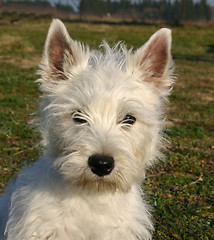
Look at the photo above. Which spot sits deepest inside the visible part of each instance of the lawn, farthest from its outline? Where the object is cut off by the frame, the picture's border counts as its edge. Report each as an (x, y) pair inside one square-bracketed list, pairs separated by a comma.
[(180, 189)]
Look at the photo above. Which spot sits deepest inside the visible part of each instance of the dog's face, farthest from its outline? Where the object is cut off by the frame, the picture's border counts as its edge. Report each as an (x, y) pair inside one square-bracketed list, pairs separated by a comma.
[(100, 117)]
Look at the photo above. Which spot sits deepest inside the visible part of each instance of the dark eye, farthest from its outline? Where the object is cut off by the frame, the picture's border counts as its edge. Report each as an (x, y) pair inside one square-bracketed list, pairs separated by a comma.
[(78, 118), (129, 119)]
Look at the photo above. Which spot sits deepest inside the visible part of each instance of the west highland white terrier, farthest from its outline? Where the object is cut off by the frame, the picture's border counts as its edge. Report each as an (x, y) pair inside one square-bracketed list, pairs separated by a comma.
[(101, 117)]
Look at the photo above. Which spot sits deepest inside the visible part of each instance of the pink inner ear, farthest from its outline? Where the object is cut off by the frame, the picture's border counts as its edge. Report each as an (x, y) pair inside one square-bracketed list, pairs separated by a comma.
[(56, 50), (157, 53)]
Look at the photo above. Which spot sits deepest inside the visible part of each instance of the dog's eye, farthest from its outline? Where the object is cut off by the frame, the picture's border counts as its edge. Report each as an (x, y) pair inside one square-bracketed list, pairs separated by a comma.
[(129, 119), (78, 118)]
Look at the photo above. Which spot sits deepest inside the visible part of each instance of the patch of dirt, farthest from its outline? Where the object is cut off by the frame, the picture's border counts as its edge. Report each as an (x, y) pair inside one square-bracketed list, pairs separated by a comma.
[(9, 43), (32, 61)]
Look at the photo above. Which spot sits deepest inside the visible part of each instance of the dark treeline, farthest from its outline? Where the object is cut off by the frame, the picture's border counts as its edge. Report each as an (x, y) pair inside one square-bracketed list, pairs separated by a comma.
[(42, 3), (174, 11)]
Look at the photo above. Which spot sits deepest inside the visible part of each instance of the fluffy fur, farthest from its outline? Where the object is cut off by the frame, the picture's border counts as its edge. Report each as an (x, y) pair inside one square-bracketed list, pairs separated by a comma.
[(88, 98)]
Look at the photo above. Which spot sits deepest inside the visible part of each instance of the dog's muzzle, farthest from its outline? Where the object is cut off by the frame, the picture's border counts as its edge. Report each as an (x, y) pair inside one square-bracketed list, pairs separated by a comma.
[(101, 165)]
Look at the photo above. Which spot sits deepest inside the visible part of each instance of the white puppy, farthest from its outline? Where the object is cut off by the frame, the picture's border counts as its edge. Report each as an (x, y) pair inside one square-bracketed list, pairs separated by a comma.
[(101, 118)]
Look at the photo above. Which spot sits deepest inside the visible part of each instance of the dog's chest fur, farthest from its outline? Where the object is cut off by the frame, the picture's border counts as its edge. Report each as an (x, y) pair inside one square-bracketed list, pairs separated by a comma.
[(70, 214)]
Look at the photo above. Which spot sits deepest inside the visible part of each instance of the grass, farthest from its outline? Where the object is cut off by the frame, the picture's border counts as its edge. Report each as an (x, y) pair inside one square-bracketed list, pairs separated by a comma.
[(181, 190)]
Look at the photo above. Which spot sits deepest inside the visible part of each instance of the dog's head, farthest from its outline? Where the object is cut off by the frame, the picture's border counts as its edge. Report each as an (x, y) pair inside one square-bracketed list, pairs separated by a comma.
[(101, 112)]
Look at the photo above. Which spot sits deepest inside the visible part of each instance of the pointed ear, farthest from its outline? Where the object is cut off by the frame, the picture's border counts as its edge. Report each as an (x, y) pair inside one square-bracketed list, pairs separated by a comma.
[(154, 59), (61, 54)]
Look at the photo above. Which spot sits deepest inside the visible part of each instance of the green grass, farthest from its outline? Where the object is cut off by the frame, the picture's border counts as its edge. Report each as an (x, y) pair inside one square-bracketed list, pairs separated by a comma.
[(181, 190)]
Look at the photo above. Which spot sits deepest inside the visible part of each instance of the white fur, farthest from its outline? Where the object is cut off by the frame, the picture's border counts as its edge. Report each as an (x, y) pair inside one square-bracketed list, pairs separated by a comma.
[(59, 198)]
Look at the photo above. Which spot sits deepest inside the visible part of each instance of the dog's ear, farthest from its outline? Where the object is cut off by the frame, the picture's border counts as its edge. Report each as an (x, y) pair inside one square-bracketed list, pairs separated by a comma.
[(154, 60), (61, 54)]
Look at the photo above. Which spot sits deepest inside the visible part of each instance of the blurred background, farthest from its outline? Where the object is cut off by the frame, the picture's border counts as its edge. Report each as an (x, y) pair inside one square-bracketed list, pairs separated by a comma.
[(180, 189), (172, 12)]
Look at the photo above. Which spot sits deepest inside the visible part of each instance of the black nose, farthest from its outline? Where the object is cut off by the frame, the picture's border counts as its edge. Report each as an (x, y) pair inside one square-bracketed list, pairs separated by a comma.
[(101, 165)]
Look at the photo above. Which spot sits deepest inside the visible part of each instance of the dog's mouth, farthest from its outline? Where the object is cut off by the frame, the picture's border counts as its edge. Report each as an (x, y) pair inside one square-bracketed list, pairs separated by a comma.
[(112, 182), (99, 174)]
